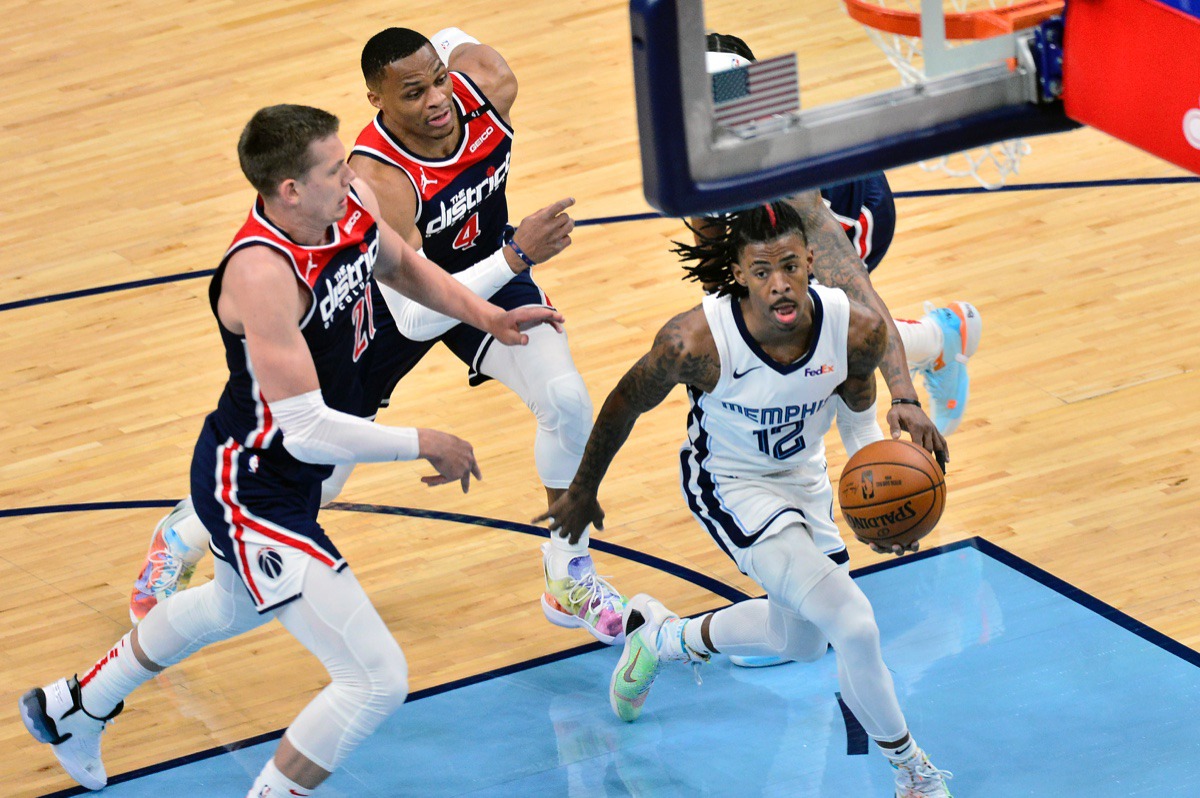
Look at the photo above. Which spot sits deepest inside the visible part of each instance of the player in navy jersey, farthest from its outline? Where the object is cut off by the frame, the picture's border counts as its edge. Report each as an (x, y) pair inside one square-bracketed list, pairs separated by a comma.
[(766, 359), (937, 345), (438, 154), (293, 303)]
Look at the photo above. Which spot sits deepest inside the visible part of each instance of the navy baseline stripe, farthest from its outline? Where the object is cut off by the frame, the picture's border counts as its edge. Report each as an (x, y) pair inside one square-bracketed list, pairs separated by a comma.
[(641, 217)]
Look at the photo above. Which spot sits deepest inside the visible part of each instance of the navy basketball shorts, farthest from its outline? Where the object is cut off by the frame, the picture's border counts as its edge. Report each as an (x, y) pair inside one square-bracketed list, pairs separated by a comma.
[(394, 355), (262, 522)]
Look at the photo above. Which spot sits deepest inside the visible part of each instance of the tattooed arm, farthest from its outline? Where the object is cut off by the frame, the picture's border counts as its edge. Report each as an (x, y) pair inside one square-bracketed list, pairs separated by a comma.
[(683, 353), (865, 350), (837, 265)]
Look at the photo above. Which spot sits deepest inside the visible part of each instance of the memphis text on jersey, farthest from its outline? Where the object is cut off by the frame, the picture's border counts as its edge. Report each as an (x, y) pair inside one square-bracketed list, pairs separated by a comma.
[(776, 415)]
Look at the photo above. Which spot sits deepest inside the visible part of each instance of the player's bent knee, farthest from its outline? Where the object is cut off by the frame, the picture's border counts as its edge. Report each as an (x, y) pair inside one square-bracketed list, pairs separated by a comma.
[(568, 411)]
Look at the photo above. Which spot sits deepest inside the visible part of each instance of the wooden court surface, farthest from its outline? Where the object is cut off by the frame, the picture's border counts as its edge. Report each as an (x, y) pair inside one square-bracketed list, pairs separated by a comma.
[(1079, 452)]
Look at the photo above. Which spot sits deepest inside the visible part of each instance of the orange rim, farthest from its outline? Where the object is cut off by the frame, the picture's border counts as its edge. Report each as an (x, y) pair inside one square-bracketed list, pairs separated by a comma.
[(974, 25)]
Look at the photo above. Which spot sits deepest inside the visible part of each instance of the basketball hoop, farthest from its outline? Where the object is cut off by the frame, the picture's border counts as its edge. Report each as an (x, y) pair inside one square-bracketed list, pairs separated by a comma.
[(895, 27)]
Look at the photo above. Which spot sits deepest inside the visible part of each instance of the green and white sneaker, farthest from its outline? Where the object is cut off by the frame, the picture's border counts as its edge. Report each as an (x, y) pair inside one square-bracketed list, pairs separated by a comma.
[(653, 635)]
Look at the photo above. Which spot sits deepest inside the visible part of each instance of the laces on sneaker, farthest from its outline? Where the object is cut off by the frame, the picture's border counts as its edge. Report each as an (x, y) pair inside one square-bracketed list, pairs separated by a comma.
[(593, 591)]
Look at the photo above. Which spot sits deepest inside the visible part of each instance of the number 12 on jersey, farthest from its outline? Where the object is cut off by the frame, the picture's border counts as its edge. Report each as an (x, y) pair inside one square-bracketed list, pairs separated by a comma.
[(781, 442)]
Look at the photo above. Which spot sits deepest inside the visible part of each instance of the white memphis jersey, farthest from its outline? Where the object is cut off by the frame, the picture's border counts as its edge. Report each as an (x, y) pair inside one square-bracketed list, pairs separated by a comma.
[(764, 417)]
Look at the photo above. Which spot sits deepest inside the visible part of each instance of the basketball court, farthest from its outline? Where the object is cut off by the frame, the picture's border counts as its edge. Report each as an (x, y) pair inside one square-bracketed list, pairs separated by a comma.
[(969, 651), (1045, 645)]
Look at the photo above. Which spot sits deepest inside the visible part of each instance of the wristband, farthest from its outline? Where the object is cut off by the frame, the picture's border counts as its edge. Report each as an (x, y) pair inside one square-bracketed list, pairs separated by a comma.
[(512, 242), (903, 401)]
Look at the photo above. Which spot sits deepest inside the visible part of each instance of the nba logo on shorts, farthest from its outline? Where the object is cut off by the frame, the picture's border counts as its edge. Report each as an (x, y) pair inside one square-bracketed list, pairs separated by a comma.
[(868, 486), (270, 563)]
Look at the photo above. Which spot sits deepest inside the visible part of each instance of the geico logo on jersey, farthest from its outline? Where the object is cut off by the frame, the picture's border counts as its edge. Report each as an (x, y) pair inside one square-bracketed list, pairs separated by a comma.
[(477, 143), (467, 199), (817, 372), (776, 415), (349, 225), (346, 283)]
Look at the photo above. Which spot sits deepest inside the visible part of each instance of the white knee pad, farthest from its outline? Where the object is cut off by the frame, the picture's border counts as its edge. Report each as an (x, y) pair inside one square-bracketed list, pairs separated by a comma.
[(335, 620), (564, 423)]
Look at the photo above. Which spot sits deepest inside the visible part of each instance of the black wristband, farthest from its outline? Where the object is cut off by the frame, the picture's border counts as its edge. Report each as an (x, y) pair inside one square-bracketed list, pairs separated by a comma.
[(903, 401)]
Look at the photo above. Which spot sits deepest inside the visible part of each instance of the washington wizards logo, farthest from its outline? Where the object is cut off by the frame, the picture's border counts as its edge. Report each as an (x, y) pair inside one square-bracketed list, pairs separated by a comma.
[(270, 562)]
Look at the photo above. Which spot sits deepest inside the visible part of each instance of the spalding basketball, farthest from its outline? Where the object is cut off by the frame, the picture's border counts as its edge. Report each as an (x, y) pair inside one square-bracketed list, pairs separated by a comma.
[(892, 492)]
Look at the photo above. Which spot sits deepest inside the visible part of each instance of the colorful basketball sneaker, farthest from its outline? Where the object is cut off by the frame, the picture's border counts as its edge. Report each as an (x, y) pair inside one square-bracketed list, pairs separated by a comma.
[(916, 777), (55, 715), (647, 646), (582, 599), (946, 376), (170, 563)]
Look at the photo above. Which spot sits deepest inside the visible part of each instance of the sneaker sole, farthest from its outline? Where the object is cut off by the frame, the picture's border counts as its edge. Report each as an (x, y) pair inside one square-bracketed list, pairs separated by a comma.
[(568, 621), (37, 722), (757, 662)]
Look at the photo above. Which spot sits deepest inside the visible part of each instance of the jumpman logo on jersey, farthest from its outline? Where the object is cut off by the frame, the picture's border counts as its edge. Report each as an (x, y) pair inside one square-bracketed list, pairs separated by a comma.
[(309, 269), (425, 181)]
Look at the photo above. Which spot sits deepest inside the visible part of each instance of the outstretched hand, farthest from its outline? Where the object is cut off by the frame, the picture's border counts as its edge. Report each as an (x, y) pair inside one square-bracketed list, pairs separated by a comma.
[(545, 233), (509, 328), (453, 458), (571, 513), (912, 419)]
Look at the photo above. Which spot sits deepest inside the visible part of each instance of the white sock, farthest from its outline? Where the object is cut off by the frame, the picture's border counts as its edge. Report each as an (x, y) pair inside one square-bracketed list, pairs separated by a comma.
[(115, 676), (922, 339), (562, 552), (271, 782)]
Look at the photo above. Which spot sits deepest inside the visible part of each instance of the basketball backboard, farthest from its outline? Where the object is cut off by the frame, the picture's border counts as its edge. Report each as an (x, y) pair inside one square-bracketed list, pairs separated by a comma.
[(978, 94)]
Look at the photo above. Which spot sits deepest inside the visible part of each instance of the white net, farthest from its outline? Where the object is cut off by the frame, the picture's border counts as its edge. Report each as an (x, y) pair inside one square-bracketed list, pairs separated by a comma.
[(989, 166)]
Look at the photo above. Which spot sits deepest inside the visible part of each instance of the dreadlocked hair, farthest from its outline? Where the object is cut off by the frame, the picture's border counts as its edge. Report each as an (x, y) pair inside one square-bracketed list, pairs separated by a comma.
[(710, 261)]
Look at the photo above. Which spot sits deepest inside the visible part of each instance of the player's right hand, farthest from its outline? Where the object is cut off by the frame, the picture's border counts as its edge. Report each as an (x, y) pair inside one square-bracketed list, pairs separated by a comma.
[(571, 514), (545, 233), (453, 458)]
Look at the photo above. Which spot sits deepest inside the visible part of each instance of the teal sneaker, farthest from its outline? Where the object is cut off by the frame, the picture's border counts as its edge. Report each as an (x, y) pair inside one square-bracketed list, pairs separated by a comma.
[(946, 377)]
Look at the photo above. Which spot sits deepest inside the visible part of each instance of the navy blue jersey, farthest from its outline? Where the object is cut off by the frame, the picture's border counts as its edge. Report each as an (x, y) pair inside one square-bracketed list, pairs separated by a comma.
[(461, 207), (338, 329), (865, 209)]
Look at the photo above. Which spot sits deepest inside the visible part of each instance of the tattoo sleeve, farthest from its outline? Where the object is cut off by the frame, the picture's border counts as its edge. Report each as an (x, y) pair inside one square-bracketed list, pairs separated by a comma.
[(863, 358), (837, 265), (667, 364)]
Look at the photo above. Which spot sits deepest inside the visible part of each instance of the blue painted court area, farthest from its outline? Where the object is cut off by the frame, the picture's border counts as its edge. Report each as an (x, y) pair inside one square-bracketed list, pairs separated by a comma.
[(1011, 679)]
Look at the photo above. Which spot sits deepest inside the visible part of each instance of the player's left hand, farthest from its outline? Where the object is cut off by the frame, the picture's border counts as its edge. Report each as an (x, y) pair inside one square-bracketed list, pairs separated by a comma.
[(571, 514), (912, 419), (896, 548), (509, 327)]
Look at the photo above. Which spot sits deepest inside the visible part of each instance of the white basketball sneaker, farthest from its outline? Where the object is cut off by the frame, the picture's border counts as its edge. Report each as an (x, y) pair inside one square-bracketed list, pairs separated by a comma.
[(916, 777), (55, 715)]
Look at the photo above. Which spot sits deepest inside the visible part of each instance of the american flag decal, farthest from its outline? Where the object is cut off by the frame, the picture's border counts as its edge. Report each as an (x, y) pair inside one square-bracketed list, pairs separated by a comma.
[(758, 90)]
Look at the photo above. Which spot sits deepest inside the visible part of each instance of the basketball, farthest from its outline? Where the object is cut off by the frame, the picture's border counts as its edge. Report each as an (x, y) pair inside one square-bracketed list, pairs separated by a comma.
[(892, 492)]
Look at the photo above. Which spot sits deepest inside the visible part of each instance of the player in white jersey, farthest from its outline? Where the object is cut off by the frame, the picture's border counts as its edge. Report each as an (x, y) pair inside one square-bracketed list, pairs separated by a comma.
[(766, 361)]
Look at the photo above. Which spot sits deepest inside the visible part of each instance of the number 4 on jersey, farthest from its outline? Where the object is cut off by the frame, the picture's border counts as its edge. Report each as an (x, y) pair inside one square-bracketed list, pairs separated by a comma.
[(469, 232)]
